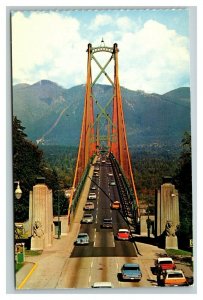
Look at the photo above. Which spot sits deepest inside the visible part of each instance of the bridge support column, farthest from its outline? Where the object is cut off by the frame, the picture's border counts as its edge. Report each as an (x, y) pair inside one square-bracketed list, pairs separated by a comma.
[(167, 213), (41, 216)]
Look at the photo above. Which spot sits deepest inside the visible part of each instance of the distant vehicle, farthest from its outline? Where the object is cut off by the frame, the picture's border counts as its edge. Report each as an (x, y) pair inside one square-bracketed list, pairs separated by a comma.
[(93, 187), (103, 161), (92, 196), (87, 218), (112, 183), (89, 206), (174, 278), (102, 284), (164, 263), (115, 205), (107, 223), (110, 174), (82, 239), (123, 234), (131, 271), (96, 169)]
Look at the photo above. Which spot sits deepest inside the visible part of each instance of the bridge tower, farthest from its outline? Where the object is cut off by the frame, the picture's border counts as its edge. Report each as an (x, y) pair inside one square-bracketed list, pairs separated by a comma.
[(103, 125)]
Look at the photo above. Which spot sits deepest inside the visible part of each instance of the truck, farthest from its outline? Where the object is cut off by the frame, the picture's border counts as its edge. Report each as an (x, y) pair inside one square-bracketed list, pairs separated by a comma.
[(164, 263)]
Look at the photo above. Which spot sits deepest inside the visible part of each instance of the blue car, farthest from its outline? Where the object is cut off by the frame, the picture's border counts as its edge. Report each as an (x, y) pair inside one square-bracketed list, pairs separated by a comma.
[(131, 271), (82, 239)]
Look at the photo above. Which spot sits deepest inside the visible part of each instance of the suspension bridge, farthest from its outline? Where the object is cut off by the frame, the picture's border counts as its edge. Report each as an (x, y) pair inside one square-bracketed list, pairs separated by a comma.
[(103, 136)]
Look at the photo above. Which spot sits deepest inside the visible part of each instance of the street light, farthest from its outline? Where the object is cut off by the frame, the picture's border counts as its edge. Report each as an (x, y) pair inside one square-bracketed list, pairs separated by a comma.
[(18, 191), (58, 211)]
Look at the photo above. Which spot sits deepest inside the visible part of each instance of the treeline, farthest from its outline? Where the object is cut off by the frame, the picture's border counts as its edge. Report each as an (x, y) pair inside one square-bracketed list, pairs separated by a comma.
[(29, 162)]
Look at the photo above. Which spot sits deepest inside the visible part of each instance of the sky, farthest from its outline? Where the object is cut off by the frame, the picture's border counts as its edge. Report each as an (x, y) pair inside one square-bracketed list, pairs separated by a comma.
[(153, 46)]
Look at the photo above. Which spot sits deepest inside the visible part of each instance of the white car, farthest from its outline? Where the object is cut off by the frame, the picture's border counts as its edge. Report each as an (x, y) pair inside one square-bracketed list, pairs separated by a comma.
[(87, 218), (92, 196), (102, 284), (89, 206), (82, 239), (112, 183)]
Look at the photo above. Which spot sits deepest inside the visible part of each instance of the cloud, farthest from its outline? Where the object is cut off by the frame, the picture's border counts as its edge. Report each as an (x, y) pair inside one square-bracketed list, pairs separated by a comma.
[(157, 58), (46, 44), (50, 45), (101, 20)]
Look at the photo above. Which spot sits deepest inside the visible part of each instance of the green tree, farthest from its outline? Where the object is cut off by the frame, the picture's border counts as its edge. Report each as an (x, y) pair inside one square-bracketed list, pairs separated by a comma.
[(183, 181), (28, 164), (27, 159)]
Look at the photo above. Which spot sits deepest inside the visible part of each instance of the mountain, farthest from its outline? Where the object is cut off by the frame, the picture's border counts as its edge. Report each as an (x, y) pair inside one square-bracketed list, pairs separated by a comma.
[(54, 114)]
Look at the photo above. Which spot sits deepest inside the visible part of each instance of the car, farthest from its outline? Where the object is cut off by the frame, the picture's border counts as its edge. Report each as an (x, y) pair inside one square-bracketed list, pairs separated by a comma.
[(131, 271), (110, 174), (164, 263), (112, 183), (92, 196), (123, 234), (87, 218), (174, 278), (96, 168), (93, 187), (107, 223), (115, 205), (103, 161), (89, 206), (82, 239), (102, 284)]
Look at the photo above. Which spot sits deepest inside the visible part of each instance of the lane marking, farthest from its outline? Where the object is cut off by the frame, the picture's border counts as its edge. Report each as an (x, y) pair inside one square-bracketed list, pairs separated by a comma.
[(27, 277), (94, 237)]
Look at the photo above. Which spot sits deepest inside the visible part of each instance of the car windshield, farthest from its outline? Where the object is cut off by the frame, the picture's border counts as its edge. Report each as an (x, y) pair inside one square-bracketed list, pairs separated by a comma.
[(82, 235), (87, 216), (131, 268), (165, 262), (175, 275)]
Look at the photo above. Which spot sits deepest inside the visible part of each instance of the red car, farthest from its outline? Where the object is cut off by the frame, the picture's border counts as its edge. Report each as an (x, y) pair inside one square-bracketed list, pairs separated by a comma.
[(123, 234)]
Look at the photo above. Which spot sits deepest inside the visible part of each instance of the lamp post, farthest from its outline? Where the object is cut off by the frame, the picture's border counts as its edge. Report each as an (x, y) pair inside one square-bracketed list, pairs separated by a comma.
[(18, 191), (58, 211)]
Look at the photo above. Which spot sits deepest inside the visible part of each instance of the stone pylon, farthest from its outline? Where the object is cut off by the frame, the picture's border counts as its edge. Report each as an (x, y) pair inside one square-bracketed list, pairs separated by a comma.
[(167, 212), (41, 216)]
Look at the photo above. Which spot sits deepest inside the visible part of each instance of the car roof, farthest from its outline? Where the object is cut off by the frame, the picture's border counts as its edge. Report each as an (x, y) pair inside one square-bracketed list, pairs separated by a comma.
[(82, 233), (102, 284), (123, 230), (174, 271), (131, 265), (164, 259)]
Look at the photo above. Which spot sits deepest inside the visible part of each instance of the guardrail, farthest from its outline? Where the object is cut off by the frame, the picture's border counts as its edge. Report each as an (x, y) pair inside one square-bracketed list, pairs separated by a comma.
[(81, 184), (128, 201)]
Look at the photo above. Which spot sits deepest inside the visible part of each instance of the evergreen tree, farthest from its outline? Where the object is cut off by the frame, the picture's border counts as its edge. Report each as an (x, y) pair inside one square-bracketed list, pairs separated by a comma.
[(27, 159), (183, 181)]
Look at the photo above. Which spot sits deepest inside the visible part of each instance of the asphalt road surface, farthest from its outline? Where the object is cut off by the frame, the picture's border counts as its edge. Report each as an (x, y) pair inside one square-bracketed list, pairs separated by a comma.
[(103, 258)]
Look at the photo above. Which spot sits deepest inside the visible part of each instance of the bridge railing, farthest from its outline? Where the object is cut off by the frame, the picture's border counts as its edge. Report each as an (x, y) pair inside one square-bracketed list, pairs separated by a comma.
[(81, 185), (128, 200)]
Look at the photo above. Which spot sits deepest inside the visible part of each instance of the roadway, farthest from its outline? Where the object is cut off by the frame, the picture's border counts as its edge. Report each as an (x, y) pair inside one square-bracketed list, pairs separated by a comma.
[(103, 258)]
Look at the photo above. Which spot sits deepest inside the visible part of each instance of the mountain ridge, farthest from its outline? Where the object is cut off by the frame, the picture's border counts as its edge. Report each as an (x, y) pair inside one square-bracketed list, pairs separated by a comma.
[(149, 117)]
